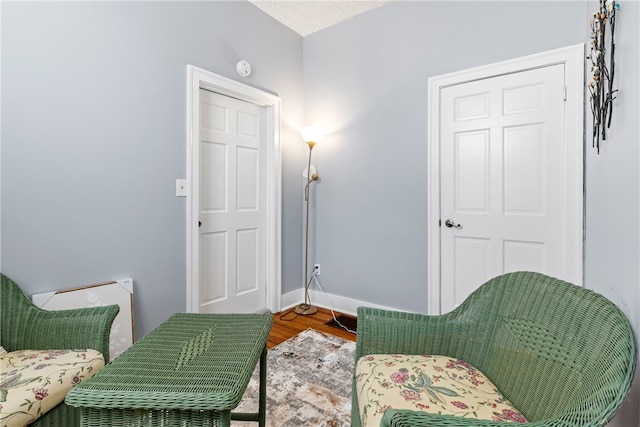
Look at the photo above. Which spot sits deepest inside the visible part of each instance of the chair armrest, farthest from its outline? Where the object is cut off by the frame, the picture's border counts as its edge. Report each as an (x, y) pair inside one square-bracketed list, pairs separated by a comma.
[(394, 332), (66, 329)]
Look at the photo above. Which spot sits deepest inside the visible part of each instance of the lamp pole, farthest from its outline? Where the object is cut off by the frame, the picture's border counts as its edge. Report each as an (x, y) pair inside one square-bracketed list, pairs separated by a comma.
[(306, 308)]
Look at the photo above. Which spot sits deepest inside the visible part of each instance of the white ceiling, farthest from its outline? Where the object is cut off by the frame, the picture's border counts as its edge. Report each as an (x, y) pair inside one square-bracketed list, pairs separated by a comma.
[(308, 16)]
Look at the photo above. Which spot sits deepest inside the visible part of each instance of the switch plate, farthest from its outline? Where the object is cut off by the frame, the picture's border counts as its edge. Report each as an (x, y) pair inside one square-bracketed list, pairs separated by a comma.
[(181, 188)]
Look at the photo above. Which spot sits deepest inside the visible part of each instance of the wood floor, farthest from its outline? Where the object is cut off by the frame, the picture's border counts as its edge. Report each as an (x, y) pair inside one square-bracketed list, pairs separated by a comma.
[(286, 326)]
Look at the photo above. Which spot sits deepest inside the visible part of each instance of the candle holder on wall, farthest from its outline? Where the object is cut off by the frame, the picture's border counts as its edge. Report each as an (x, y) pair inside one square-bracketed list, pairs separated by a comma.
[(601, 92)]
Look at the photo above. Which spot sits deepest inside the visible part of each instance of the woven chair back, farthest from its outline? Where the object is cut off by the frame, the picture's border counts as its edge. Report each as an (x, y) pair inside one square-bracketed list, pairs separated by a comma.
[(553, 348)]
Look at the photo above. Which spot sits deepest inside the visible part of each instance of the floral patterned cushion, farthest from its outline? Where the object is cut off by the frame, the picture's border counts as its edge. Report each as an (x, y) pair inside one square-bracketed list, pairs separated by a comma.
[(437, 384), (34, 381)]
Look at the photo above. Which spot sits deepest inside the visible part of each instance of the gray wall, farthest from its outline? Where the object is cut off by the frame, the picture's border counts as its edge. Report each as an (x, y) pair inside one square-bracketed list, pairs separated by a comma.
[(368, 78), (94, 137), (612, 264)]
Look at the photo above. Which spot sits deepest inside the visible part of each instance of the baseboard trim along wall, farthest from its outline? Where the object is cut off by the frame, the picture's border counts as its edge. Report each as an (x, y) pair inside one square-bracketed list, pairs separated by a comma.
[(329, 301)]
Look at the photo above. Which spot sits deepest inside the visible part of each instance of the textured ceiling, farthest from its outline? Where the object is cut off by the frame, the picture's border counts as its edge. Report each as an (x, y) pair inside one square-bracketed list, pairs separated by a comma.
[(308, 16)]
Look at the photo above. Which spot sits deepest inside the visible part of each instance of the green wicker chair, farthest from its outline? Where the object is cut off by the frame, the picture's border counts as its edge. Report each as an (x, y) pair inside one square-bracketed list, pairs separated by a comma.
[(570, 352), (25, 326)]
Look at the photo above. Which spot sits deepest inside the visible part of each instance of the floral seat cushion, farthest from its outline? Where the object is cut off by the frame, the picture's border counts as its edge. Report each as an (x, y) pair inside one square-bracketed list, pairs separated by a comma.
[(437, 384), (34, 381)]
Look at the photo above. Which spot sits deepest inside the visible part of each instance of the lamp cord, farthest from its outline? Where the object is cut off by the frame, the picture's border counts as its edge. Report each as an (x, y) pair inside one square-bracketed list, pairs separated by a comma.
[(315, 277), (333, 314)]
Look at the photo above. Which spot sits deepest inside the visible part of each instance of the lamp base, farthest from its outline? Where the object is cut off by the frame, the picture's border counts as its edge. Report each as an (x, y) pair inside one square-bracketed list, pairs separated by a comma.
[(306, 309)]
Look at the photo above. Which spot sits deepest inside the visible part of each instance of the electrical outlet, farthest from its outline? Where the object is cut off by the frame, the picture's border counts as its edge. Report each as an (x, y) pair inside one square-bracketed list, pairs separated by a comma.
[(316, 269)]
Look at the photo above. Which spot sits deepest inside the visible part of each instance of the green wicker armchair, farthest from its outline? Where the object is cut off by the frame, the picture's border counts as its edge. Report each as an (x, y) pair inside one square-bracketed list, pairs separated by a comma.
[(563, 355), (25, 326)]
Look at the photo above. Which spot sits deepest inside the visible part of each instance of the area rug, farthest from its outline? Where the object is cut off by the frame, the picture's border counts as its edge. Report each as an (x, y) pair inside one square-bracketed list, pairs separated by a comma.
[(308, 382)]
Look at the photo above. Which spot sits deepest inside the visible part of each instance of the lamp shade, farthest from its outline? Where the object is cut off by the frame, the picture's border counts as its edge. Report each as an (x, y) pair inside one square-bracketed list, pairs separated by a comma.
[(311, 134)]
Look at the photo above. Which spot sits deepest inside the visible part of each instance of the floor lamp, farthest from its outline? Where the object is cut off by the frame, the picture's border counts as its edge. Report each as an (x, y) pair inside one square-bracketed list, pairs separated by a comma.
[(311, 135)]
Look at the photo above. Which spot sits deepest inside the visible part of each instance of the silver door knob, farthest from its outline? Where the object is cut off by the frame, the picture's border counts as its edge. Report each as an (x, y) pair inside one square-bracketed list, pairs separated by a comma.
[(451, 223)]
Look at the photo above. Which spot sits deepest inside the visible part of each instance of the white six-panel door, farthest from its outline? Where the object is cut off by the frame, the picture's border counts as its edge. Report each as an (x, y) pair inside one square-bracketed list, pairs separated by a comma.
[(232, 205), (502, 160)]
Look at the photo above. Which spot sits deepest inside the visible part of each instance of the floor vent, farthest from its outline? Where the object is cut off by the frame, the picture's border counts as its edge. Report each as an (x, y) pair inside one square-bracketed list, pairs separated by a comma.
[(348, 322)]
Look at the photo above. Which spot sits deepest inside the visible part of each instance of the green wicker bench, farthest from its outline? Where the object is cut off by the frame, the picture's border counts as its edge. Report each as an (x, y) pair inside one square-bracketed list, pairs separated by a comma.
[(23, 326), (563, 355)]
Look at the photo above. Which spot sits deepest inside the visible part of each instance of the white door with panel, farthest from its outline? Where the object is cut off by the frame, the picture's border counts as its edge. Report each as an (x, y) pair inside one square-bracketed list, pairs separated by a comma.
[(232, 204), (502, 179)]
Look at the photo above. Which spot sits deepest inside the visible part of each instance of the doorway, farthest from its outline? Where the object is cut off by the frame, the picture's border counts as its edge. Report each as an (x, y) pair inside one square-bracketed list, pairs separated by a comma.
[(233, 202), (506, 173)]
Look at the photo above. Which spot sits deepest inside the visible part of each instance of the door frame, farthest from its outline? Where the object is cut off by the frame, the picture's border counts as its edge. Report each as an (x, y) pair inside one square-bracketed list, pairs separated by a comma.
[(198, 78), (573, 59)]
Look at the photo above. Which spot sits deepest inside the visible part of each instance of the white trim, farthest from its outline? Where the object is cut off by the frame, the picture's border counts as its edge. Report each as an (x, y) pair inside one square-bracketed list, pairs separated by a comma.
[(329, 301), (198, 78), (573, 59)]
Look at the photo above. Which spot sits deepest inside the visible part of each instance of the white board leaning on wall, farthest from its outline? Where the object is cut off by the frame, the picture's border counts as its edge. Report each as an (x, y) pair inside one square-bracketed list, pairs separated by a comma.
[(118, 292)]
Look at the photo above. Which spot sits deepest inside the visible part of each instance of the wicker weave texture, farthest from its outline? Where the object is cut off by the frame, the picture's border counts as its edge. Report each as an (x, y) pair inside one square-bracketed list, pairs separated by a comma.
[(24, 326), (148, 418), (191, 370), (60, 416), (562, 354)]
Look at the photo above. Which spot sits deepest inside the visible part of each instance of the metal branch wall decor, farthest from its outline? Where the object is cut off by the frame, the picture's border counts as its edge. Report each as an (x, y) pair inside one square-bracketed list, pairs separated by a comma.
[(601, 92)]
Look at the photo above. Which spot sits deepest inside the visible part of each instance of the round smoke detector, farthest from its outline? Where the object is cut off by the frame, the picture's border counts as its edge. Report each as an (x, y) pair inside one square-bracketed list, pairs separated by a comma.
[(243, 68)]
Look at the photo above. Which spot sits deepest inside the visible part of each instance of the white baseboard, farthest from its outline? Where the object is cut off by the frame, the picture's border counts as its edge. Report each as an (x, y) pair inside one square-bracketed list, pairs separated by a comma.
[(329, 301)]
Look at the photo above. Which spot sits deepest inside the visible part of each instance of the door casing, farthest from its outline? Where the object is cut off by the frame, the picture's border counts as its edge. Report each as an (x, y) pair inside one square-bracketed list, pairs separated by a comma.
[(198, 78), (573, 59)]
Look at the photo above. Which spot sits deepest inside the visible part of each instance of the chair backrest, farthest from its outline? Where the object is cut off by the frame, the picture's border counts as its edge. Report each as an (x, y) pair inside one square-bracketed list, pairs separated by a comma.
[(15, 309), (553, 348), (25, 326)]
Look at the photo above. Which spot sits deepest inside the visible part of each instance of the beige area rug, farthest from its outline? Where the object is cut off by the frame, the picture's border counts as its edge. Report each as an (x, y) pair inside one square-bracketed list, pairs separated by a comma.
[(308, 383)]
